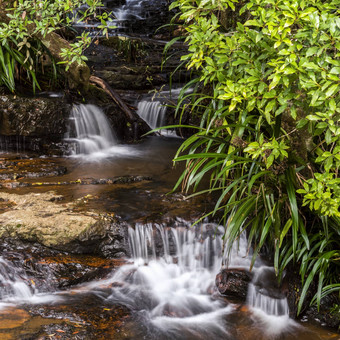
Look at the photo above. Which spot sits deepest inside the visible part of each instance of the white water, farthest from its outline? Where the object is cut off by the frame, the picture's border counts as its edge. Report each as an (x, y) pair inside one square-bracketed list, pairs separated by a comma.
[(258, 297), (16, 287), (90, 130), (13, 282), (171, 281), (152, 112), (130, 8), (170, 284)]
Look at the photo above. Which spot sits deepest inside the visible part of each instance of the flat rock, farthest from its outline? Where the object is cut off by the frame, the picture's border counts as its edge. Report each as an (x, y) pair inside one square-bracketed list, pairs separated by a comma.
[(38, 218)]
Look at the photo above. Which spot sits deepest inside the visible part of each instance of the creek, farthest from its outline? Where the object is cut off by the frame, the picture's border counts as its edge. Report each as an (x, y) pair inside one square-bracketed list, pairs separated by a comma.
[(157, 278), (165, 286)]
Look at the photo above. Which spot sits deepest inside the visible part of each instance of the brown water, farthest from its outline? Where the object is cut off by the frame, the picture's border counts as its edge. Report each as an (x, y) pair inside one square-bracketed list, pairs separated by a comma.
[(90, 313)]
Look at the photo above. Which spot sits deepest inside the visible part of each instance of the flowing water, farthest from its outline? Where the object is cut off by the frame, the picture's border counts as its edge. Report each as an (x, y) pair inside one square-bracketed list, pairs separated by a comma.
[(260, 293), (169, 286), (131, 8), (14, 282), (153, 112), (17, 287), (154, 109), (121, 15), (168, 282), (91, 137)]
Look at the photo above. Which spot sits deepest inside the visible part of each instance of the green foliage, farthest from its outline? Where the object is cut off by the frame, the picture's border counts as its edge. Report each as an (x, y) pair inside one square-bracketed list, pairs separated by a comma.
[(28, 23), (74, 54), (269, 137)]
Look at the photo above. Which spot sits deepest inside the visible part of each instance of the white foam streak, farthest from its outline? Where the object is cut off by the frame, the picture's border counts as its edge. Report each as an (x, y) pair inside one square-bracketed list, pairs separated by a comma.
[(258, 295), (274, 325), (17, 288)]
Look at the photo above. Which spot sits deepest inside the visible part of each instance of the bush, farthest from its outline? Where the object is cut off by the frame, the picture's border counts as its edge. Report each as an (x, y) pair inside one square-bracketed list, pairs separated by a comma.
[(24, 27), (269, 136)]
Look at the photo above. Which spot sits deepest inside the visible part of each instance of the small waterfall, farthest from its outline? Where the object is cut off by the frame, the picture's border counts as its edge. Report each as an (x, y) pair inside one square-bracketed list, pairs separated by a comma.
[(188, 248), (130, 8), (14, 283), (12, 144), (90, 130), (153, 112), (263, 294), (171, 279)]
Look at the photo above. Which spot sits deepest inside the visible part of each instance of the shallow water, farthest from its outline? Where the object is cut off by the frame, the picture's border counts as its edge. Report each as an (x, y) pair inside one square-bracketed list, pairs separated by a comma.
[(154, 296)]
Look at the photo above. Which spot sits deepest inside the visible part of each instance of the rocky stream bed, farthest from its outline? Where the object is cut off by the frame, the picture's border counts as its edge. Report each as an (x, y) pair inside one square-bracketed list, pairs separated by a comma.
[(80, 232)]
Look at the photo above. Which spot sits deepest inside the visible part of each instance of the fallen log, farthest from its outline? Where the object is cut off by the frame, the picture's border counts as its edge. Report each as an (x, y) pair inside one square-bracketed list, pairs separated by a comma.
[(132, 116)]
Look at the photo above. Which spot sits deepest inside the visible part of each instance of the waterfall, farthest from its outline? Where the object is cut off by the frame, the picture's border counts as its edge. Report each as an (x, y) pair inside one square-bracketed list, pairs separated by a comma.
[(153, 112), (12, 144), (170, 280), (263, 294), (173, 273), (90, 130), (130, 8), (14, 282), (189, 249)]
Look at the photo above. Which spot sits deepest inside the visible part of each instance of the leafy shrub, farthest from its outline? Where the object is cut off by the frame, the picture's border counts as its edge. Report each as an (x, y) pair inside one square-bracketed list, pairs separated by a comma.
[(23, 27), (269, 137)]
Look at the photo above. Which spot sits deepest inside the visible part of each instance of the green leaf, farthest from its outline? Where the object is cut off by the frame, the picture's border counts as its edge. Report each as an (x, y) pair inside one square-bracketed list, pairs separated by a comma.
[(331, 90), (301, 123), (290, 179), (285, 230), (275, 81)]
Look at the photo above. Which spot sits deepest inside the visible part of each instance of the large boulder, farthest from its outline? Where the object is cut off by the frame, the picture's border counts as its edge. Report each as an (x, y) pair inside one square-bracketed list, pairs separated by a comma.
[(40, 218)]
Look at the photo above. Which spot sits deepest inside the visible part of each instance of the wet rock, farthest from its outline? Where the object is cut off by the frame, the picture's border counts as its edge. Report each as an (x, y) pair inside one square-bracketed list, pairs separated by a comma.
[(32, 124), (47, 270), (233, 283), (36, 218), (266, 282), (328, 315), (79, 181), (87, 316), (29, 168), (114, 3), (33, 116), (292, 286)]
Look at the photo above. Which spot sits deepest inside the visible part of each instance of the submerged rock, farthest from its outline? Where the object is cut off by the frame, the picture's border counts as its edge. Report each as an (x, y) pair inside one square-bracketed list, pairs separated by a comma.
[(37, 218)]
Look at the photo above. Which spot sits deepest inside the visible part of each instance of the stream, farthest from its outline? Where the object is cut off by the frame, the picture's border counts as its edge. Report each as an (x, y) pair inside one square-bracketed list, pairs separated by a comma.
[(165, 287), (150, 274)]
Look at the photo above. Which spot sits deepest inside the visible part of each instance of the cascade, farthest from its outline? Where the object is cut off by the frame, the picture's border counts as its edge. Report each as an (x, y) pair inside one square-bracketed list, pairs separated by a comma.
[(153, 112), (263, 295), (130, 8), (89, 130), (14, 282), (173, 274), (170, 280), (12, 144)]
